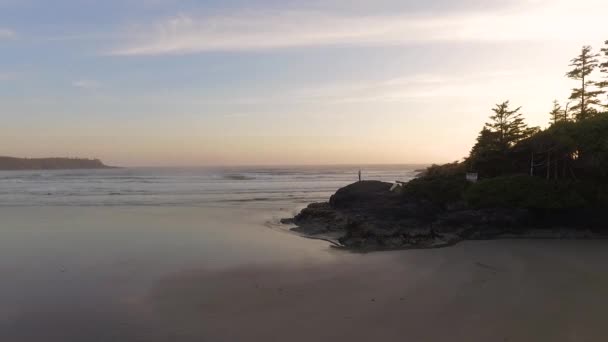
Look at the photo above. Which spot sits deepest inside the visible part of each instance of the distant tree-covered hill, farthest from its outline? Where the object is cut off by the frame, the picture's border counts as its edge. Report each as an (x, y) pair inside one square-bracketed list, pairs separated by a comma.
[(11, 163)]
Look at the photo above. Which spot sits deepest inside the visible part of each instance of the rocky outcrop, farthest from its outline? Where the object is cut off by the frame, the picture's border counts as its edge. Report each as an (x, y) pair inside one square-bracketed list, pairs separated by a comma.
[(319, 218), (367, 215)]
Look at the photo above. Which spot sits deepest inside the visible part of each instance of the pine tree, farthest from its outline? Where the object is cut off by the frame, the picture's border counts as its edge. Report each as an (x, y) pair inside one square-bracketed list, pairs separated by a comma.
[(584, 64), (557, 113), (509, 126), (487, 142), (603, 85), (566, 115)]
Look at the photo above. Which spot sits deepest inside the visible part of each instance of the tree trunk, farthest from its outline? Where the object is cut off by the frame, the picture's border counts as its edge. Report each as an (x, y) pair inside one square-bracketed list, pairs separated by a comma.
[(583, 109), (532, 165)]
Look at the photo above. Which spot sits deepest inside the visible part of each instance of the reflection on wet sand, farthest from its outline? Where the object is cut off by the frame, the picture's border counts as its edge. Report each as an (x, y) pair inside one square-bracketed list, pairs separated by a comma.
[(210, 274), (522, 291)]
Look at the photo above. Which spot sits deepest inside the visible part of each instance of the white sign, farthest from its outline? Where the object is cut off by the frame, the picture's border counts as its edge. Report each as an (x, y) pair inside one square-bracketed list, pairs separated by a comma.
[(472, 177)]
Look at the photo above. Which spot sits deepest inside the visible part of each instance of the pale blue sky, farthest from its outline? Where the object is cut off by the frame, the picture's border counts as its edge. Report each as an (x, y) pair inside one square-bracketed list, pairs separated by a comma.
[(169, 82)]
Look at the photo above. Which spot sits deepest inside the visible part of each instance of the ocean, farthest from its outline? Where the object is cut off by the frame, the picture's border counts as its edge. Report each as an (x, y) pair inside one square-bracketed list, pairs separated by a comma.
[(186, 186)]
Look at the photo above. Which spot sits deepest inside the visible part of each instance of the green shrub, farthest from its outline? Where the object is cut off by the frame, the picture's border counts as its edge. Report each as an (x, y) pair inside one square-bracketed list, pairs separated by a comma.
[(526, 192), (446, 184), (439, 184), (444, 170)]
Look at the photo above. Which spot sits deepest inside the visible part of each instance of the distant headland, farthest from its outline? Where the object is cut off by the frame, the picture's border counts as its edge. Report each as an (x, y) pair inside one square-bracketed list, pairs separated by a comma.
[(12, 163)]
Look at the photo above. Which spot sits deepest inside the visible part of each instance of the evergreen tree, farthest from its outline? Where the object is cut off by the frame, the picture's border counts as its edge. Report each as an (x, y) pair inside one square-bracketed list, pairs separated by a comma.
[(603, 85), (584, 64), (487, 157), (557, 113), (509, 126), (487, 142)]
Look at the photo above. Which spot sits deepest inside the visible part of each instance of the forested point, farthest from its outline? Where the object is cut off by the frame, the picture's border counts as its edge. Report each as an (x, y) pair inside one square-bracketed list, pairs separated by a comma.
[(562, 166), (11, 163)]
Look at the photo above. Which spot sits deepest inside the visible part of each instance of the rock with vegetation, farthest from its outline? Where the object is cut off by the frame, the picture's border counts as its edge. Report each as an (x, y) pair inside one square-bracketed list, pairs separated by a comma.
[(550, 183), (441, 208)]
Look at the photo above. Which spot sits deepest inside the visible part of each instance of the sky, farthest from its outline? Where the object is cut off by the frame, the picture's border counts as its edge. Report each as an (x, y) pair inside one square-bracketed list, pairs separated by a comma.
[(256, 82)]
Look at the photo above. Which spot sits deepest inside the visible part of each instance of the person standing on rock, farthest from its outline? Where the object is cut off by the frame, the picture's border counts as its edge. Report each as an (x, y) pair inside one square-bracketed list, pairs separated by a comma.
[(359, 175)]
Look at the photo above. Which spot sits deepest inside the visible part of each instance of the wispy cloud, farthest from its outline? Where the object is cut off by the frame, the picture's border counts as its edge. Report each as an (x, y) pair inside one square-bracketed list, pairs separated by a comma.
[(86, 84), (421, 87), (270, 30), (410, 88), (7, 34)]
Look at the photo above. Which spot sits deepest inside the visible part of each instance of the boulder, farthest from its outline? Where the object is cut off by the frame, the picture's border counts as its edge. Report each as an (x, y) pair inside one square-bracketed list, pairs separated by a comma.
[(363, 194)]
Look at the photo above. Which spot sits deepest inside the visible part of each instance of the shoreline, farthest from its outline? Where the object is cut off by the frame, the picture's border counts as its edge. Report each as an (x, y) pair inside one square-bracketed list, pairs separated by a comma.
[(334, 243)]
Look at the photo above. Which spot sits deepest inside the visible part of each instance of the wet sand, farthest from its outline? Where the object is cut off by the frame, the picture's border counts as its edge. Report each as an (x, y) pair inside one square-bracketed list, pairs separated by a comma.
[(149, 278)]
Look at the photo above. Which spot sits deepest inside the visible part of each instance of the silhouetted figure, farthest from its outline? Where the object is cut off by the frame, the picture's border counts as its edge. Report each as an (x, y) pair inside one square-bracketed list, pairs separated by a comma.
[(359, 175)]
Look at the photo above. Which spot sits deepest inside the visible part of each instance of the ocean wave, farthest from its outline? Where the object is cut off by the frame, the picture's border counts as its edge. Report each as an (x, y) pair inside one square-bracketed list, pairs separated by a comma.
[(164, 187), (237, 177), (13, 180)]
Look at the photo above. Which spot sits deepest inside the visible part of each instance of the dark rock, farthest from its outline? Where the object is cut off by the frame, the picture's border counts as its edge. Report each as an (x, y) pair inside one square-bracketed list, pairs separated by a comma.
[(319, 218), (368, 216), (362, 194)]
